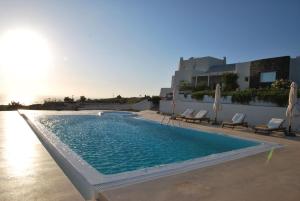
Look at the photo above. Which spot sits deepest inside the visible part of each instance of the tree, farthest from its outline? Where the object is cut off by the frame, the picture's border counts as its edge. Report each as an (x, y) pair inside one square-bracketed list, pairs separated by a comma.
[(147, 97), (230, 81), (15, 105), (119, 97), (82, 99), (155, 100), (67, 99)]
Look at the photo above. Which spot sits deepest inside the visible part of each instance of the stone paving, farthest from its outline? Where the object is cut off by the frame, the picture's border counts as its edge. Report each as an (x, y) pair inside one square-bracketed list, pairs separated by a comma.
[(27, 171)]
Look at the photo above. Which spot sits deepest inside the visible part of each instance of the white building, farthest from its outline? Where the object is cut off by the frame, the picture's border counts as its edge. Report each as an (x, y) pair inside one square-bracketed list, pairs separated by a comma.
[(208, 71)]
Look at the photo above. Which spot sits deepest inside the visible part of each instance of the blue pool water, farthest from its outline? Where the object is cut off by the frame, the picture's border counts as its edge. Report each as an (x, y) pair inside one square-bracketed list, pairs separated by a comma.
[(118, 142)]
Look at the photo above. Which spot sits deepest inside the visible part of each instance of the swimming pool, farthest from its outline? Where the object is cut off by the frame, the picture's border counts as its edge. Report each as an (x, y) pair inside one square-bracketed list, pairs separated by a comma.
[(117, 148), (117, 142)]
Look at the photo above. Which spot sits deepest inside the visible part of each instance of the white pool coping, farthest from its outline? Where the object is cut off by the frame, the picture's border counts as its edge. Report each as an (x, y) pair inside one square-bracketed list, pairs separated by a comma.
[(90, 181)]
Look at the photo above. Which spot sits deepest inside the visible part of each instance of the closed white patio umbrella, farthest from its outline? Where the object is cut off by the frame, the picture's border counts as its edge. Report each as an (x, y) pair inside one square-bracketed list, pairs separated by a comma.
[(217, 103), (292, 103)]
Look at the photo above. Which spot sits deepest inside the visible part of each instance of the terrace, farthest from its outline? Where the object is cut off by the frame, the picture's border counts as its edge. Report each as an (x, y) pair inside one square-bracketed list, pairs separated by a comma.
[(35, 174)]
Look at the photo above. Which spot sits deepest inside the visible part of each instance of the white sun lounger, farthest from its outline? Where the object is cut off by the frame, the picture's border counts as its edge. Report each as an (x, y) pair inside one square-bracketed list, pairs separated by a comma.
[(237, 120), (187, 113), (200, 116), (275, 124)]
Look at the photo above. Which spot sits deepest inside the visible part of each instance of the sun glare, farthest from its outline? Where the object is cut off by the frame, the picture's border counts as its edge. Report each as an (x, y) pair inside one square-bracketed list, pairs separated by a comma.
[(25, 61), (24, 52), (20, 146)]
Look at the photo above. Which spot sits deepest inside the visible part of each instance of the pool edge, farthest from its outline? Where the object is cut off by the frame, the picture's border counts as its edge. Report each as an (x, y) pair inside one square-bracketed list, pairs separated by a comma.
[(90, 190)]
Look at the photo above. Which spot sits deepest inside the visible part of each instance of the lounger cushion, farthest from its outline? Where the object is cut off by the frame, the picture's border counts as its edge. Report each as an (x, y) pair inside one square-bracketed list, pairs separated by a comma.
[(185, 112), (201, 114), (274, 123), (238, 118), (189, 115)]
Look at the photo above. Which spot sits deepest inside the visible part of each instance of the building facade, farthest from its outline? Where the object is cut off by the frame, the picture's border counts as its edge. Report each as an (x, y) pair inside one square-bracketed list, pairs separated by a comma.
[(208, 71)]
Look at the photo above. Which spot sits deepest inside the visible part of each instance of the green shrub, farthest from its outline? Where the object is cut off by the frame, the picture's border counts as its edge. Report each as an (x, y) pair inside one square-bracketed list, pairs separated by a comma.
[(185, 86), (281, 84), (201, 88), (199, 95), (243, 97), (277, 96), (225, 93), (230, 81), (189, 87)]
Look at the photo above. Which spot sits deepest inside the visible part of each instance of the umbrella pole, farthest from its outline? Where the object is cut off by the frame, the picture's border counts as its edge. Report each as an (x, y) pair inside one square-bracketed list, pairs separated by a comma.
[(290, 124)]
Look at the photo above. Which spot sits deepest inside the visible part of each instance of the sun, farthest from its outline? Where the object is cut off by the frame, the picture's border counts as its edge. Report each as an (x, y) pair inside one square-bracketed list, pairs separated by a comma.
[(25, 64), (24, 53)]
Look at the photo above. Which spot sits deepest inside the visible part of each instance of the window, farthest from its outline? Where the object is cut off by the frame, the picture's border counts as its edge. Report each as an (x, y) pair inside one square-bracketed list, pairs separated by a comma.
[(268, 77), (246, 79)]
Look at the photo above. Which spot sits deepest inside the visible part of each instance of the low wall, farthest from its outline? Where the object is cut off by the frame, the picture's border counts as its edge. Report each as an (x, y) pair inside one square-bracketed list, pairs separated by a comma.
[(142, 105), (225, 100), (254, 114)]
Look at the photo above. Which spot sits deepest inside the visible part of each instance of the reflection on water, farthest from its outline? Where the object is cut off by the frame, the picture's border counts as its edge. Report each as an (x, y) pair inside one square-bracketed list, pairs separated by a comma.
[(19, 146)]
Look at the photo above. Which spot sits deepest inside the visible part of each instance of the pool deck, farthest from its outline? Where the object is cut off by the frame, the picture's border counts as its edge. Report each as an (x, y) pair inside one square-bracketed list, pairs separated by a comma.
[(27, 171)]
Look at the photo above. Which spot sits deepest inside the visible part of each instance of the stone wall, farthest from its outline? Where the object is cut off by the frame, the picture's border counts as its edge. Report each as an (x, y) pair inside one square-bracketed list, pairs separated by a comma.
[(279, 64), (295, 70)]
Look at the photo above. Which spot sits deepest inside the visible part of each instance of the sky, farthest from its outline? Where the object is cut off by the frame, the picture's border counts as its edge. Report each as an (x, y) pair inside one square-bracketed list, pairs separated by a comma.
[(105, 48)]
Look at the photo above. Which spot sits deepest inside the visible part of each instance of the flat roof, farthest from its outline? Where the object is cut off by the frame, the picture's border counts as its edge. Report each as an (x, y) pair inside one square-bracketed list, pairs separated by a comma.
[(221, 68)]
